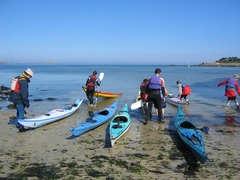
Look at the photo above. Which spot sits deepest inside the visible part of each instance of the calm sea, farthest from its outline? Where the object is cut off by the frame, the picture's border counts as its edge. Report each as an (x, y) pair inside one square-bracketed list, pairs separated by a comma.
[(64, 83)]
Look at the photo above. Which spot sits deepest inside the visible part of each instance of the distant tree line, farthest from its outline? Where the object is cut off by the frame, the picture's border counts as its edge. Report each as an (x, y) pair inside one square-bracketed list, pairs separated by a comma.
[(229, 60)]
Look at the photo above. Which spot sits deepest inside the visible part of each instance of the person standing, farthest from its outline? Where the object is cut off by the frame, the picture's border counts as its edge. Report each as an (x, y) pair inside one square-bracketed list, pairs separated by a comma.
[(91, 82), (155, 87), (184, 91), (19, 95), (231, 84)]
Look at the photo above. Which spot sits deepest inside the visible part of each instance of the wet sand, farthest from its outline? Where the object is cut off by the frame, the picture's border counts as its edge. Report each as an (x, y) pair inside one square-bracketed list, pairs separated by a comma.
[(151, 151)]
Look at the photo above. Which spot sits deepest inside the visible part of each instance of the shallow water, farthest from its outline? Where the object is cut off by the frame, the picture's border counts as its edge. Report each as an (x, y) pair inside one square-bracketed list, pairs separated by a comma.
[(64, 82), (159, 153)]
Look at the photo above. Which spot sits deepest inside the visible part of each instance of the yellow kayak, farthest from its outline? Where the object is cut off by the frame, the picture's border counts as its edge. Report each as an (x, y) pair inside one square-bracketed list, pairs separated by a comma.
[(104, 94)]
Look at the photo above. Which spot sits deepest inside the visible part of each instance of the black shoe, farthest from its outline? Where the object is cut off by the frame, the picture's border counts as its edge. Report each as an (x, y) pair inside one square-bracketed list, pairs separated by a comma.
[(22, 129), (146, 121), (150, 116), (161, 121)]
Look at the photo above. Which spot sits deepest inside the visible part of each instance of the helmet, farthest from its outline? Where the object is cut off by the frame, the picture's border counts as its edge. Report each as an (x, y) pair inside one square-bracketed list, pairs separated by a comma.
[(236, 76), (29, 72), (94, 72)]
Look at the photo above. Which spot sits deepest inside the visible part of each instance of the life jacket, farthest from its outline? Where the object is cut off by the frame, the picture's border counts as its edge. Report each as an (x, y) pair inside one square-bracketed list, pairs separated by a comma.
[(144, 89), (155, 83), (183, 85), (15, 87), (92, 80), (186, 90), (231, 82)]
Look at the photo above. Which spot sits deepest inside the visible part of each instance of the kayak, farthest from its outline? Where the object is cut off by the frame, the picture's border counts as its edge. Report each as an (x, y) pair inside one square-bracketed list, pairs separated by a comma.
[(51, 116), (95, 120), (119, 125), (171, 99), (191, 135), (139, 103), (104, 94)]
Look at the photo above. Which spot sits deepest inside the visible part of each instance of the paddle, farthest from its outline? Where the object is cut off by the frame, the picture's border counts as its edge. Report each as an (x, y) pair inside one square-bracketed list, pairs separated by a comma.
[(90, 113), (100, 78), (136, 105), (204, 129)]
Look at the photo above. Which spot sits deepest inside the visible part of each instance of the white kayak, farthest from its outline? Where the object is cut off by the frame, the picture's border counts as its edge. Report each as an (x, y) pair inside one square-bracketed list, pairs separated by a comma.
[(171, 99), (51, 116)]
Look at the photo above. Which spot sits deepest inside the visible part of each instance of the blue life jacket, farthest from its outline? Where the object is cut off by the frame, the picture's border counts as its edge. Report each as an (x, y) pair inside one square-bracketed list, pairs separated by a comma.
[(154, 83), (183, 85), (231, 82)]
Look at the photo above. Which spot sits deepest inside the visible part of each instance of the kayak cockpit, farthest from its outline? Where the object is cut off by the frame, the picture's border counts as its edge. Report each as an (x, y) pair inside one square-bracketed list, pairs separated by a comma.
[(187, 124), (105, 112)]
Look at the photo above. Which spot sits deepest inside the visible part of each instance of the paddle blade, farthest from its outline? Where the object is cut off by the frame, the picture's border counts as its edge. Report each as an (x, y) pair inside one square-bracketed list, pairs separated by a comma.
[(136, 105), (90, 113), (101, 76), (205, 129)]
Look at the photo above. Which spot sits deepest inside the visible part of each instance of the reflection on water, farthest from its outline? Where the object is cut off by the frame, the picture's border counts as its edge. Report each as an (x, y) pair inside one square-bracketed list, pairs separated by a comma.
[(231, 121)]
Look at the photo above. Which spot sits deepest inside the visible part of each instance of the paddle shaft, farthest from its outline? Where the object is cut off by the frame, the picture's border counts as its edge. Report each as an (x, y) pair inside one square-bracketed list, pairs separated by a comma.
[(100, 78)]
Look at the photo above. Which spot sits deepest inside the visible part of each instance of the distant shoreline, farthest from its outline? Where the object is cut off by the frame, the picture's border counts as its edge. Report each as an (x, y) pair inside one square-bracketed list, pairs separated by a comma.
[(220, 64), (203, 64)]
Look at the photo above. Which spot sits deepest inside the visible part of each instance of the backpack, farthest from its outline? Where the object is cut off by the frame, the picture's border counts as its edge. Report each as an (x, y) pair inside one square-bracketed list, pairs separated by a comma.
[(14, 84), (144, 90)]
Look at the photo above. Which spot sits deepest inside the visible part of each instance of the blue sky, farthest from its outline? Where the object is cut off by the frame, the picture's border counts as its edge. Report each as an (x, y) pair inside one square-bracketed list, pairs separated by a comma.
[(119, 31)]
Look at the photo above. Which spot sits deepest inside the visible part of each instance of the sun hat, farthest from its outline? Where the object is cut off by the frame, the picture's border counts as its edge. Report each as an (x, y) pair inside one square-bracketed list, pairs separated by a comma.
[(29, 72), (236, 76)]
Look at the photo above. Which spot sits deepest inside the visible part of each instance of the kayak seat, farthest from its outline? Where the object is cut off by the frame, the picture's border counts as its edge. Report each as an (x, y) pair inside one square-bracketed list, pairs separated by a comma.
[(116, 126), (120, 119), (187, 125), (74, 105), (90, 120), (67, 107), (104, 112)]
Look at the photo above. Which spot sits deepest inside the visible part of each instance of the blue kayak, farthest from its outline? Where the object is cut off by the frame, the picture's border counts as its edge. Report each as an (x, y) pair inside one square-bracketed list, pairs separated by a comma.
[(96, 120), (191, 135), (119, 124)]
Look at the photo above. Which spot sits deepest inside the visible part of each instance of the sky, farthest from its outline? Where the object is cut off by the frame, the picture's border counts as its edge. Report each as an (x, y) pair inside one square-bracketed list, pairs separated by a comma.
[(141, 32)]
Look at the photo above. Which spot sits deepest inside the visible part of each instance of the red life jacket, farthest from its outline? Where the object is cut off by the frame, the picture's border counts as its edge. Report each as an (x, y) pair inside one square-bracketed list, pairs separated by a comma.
[(144, 89), (92, 80), (186, 90)]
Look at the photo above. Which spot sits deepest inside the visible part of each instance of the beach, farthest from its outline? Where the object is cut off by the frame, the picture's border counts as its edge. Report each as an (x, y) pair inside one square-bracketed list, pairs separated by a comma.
[(151, 151)]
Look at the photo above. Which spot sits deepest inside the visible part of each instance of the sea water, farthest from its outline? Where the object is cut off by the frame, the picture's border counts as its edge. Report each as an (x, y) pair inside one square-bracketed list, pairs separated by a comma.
[(64, 84)]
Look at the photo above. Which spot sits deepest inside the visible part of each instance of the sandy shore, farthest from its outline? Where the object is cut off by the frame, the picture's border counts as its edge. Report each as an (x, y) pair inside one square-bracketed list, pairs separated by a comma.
[(151, 151)]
